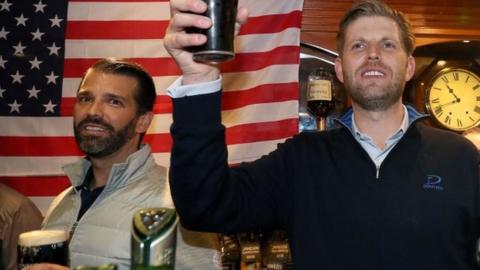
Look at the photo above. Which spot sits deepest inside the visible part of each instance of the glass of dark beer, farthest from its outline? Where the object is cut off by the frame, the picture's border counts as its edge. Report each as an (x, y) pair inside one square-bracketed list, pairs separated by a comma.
[(219, 46), (42, 246)]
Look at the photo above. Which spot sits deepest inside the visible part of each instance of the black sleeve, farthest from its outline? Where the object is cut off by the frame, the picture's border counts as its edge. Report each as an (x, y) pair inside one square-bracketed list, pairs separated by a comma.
[(208, 194)]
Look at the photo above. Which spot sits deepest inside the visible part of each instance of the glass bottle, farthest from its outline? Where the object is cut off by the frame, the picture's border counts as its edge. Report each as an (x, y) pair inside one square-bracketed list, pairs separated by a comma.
[(320, 100)]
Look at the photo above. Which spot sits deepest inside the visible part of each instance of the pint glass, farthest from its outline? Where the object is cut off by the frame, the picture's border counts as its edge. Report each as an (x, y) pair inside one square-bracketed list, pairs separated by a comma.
[(219, 45), (42, 246)]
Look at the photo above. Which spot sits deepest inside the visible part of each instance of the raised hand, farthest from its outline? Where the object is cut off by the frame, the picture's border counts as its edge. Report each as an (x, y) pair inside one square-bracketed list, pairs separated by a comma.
[(185, 14)]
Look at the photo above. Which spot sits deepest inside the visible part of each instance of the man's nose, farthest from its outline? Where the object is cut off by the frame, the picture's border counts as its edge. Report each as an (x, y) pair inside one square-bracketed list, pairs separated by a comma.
[(373, 53), (95, 108)]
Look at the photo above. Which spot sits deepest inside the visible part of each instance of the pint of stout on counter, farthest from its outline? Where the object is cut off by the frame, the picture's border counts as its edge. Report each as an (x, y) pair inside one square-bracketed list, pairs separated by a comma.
[(42, 246)]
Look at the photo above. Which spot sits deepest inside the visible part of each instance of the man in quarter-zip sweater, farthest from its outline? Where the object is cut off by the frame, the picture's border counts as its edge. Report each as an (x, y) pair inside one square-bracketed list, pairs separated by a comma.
[(118, 176), (381, 191)]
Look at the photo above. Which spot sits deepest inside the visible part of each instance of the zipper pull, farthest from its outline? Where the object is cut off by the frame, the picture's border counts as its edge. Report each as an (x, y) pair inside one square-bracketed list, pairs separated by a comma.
[(377, 176)]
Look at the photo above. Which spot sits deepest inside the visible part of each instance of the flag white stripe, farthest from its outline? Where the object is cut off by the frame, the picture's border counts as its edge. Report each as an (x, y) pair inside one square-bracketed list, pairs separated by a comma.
[(31, 166), (63, 126), (150, 11), (270, 75), (262, 112), (118, 11), (42, 203), (52, 166), (151, 48), (232, 81), (36, 126), (267, 42), (125, 48)]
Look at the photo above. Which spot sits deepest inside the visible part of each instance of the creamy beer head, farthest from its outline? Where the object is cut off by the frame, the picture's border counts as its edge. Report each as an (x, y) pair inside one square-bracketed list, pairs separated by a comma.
[(40, 238), (42, 247)]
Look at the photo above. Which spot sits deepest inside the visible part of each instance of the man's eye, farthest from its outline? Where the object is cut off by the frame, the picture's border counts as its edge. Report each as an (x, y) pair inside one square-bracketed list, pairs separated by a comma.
[(115, 102), (358, 46), (389, 45), (83, 99)]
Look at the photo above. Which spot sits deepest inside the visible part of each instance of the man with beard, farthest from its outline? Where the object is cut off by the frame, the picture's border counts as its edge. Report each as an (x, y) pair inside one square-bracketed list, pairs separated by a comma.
[(380, 191), (118, 176)]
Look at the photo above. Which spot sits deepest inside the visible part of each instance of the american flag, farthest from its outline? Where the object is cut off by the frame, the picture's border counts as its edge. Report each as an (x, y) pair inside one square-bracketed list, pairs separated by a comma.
[(46, 45)]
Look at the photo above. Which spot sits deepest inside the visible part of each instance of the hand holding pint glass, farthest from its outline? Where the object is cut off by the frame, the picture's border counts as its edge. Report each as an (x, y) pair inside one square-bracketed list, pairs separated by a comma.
[(42, 246), (179, 39), (219, 46)]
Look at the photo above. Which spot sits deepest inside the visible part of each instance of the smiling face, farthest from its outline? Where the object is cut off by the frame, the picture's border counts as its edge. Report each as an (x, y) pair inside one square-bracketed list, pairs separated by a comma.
[(373, 64), (105, 114)]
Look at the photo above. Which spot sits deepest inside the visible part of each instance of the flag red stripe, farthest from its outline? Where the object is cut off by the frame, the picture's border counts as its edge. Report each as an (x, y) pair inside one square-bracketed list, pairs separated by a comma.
[(265, 93), (264, 25), (116, 29), (39, 146), (265, 131), (66, 146), (255, 61), (160, 66), (156, 29), (165, 66), (37, 185)]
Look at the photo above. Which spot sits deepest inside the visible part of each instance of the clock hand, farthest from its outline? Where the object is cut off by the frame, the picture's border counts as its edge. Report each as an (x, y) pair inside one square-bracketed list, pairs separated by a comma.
[(449, 103), (450, 90)]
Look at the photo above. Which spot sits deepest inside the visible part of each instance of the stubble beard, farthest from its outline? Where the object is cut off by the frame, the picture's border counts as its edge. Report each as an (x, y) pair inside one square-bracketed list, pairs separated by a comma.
[(375, 99), (97, 146)]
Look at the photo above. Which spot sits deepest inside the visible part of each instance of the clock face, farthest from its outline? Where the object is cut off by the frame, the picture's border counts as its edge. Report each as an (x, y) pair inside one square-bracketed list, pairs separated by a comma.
[(453, 99)]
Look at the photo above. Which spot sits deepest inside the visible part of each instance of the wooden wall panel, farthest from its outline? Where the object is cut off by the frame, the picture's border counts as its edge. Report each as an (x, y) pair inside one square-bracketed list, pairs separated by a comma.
[(432, 20)]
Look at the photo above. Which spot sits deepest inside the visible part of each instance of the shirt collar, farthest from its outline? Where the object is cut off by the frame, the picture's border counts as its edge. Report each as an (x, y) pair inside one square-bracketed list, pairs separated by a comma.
[(401, 130)]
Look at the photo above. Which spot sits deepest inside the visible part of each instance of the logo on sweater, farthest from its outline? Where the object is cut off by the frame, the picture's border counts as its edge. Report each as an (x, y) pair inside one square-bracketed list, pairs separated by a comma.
[(433, 182)]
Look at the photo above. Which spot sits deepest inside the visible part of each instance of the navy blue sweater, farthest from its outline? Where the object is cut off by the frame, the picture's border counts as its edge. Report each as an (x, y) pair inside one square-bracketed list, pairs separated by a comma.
[(422, 212)]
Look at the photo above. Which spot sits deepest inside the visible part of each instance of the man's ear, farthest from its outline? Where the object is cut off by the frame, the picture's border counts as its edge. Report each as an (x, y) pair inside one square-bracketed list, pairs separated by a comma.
[(410, 68), (144, 122), (339, 69)]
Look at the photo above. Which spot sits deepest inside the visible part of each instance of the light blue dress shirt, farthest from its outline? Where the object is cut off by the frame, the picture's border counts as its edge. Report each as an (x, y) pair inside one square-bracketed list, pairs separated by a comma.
[(376, 153)]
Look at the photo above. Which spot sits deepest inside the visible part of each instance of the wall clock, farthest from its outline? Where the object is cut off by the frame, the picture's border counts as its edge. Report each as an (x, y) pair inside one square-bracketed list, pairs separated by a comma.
[(452, 98), (446, 84)]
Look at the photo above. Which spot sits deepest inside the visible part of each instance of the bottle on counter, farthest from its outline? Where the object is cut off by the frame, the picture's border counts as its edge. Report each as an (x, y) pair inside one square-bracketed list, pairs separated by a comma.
[(153, 241), (251, 252), (230, 251), (320, 99)]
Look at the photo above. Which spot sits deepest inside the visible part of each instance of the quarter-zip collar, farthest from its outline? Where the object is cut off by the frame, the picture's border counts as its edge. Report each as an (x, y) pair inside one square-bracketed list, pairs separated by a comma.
[(121, 173), (346, 119)]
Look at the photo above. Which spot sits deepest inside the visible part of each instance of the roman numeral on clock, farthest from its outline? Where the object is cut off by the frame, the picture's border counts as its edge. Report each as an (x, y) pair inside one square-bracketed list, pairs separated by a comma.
[(477, 109), (448, 120), (459, 123), (455, 76)]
